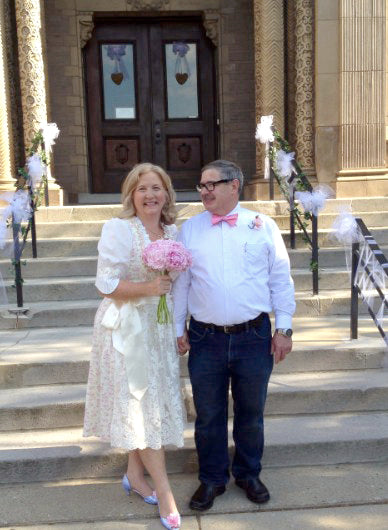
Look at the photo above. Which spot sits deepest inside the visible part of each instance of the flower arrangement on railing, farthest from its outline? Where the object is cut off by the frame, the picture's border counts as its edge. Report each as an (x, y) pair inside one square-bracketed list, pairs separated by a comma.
[(293, 183), (288, 173), (17, 218)]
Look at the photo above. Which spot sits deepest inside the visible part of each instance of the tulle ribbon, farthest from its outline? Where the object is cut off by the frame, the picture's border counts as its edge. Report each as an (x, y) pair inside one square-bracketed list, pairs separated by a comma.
[(314, 201), (36, 169), (265, 135), (345, 229), (284, 164), (50, 133)]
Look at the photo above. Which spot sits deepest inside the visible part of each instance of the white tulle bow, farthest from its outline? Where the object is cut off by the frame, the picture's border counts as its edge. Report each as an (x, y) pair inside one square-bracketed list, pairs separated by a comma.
[(19, 206), (50, 133), (345, 228), (264, 131), (284, 163), (314, 201), (36, 169)]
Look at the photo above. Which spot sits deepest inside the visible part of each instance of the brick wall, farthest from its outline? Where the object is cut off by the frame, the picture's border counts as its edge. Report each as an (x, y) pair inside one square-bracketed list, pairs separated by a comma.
[(236, 88)]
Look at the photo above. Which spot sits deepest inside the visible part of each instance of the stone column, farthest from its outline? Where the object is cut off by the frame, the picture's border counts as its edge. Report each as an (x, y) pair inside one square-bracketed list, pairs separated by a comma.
[(304, 84), (269, 80), (33, 83), (363, 86), (7, 169)]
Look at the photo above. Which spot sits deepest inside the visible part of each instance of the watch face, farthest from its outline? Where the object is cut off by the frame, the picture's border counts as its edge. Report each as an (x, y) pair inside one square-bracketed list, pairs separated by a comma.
[(289, 332)]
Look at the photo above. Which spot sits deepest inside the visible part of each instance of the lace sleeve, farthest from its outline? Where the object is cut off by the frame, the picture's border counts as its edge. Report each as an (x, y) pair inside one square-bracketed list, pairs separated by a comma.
[(114, 249)]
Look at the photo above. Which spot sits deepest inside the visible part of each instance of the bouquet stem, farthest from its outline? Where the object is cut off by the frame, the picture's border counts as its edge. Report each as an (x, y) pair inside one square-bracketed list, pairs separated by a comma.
[(163, 313)]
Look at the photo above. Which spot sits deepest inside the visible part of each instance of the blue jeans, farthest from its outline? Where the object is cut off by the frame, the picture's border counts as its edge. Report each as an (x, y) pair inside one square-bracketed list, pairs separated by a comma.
[(215, 359)]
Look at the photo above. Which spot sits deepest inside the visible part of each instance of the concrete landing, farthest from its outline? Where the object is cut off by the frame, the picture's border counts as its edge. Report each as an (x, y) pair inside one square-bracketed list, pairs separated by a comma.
[(345, 497)]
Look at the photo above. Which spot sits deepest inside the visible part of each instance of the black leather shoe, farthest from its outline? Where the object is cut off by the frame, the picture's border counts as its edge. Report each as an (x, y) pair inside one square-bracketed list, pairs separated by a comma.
[(254, 488), (204, 497)]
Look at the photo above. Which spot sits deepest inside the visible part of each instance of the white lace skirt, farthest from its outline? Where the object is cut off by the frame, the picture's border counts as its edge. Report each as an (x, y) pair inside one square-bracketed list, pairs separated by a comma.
[(111, 413)]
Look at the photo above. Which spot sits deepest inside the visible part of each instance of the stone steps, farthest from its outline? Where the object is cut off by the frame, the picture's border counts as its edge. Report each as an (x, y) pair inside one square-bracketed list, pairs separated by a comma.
[(103, 212), (87, 246), (51, 266), (83, 288), (290, 440), (81, 312), (57, 406), (93, 228), (40, 356), (347, 496)]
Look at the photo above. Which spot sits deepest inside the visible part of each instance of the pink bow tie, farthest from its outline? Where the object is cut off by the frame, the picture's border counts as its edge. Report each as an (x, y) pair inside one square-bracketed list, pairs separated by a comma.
[(230, 219)]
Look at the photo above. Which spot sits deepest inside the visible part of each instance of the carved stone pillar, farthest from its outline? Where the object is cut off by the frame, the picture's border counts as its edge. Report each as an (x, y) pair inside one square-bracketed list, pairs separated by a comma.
[(303, 88), (31, 45), (7, 169), (269, 79), (363, 92)]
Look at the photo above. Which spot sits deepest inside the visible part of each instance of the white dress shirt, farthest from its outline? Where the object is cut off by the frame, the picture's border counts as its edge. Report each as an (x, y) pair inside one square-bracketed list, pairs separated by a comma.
[(237, 273)]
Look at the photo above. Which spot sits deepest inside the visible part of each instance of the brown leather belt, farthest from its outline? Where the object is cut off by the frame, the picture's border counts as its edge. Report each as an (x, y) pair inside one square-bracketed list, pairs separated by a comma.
[(235, 328)]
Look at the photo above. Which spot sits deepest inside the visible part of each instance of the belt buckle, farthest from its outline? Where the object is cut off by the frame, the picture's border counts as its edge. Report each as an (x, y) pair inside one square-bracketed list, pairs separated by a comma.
[(226, 328)]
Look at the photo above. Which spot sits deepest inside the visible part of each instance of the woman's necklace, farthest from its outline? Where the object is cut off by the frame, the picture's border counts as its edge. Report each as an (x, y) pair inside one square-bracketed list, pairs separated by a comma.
[(159, 234)]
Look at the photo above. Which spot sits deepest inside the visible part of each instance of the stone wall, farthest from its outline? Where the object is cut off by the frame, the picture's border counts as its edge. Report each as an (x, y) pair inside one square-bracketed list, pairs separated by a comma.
[(327, 90), (66, 95)]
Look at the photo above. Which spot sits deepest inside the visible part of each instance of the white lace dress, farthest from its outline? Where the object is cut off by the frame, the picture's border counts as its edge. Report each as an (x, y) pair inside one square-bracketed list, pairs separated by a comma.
[(111, 412)]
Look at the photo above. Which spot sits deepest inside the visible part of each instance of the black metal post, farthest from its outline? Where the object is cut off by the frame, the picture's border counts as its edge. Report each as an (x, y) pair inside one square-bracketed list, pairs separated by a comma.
[(33, 236), (271, 182), (292, 218), (354, 292), (32, 224), (314, 252), (17, 267)]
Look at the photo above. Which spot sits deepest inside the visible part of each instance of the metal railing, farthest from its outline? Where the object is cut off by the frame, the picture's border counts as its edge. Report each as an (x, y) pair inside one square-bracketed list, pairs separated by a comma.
[(368, 275), (295, 218)]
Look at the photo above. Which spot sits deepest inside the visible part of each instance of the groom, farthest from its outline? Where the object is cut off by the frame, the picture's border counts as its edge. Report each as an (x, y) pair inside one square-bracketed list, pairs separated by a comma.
[(240, 273)]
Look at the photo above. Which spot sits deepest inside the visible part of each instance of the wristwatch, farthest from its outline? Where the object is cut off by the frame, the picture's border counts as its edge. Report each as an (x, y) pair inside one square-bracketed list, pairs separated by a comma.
[(285, 332)]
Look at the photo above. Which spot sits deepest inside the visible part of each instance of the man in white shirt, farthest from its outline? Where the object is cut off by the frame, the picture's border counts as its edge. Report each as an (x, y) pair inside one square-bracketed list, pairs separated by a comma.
[(240, 273)]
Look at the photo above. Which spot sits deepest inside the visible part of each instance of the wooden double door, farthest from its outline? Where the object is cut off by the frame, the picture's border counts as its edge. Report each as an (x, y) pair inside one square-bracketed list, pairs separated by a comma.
[(150, 98)]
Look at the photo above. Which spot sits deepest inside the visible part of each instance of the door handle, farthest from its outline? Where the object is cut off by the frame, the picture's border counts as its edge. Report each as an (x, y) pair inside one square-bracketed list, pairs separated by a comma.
[(158, 132)]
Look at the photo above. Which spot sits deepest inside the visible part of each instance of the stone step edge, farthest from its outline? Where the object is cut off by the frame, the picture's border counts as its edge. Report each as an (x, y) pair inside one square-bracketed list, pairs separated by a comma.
[(280, 383), (63, 405), (183, 215), (36, 281), (299, 295), (59, 494), (94, 459)]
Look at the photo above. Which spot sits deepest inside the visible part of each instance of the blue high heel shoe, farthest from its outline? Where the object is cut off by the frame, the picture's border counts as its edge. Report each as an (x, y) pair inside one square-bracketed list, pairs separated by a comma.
[(150, 499), (172, 522)]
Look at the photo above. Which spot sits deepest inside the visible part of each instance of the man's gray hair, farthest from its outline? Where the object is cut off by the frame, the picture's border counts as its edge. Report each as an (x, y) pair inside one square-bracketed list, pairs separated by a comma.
[(228, 170)]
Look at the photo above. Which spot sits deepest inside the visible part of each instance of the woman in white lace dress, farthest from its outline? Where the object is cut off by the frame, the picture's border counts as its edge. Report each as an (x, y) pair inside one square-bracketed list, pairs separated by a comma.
[(133, 397)]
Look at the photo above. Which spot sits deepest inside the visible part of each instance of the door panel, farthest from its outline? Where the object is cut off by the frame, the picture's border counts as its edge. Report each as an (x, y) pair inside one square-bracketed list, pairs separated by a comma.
[(150, 97)]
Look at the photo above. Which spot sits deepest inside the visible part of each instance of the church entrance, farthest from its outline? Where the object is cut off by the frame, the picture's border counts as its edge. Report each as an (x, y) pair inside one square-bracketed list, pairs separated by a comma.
[(150, 98)]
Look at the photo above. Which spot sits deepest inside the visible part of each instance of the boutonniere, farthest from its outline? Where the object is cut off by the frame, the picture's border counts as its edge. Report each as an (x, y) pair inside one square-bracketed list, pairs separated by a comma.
[(256, 223)]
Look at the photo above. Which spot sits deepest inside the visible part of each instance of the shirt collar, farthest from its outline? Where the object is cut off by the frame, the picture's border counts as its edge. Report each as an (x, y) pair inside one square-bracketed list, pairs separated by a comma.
[(236, 209)]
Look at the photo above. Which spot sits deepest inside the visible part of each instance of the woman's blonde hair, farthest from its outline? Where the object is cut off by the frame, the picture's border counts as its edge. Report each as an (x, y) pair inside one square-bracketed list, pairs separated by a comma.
[(130, 183)]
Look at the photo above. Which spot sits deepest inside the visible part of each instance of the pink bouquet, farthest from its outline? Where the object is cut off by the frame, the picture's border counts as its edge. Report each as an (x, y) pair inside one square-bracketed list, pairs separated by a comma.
[(166, 255)]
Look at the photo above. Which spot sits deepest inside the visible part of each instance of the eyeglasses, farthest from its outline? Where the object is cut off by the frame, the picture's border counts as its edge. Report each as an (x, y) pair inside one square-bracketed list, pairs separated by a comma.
[(210, 185)]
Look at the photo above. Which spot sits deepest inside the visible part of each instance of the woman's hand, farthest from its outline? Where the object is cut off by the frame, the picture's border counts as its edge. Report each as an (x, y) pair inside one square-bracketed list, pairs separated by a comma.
[(161, 285)]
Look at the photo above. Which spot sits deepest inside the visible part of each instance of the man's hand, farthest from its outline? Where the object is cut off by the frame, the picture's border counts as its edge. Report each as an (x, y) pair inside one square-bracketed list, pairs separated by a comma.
[(183, 343), (281, 345)]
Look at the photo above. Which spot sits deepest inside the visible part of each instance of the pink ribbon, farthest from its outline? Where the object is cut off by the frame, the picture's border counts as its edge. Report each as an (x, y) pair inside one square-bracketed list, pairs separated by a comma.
[(230, 219)]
